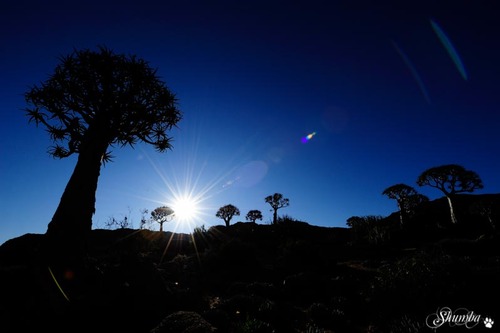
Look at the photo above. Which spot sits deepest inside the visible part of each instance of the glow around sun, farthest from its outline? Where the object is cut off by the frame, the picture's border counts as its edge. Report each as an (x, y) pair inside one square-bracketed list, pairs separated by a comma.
[(185, 208), (183, 188)]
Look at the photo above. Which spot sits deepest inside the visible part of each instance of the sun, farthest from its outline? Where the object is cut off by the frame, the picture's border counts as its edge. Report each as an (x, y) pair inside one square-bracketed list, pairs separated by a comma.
[(186, 209)]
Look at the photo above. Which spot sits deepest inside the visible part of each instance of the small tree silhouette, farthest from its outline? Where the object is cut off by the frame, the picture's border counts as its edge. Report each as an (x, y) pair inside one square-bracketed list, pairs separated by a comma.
[(254, 215), (145, 222), (407, 199), (277, 201), (113, 222), (162, 215), (95, 100), (227, 212), (451, 179)]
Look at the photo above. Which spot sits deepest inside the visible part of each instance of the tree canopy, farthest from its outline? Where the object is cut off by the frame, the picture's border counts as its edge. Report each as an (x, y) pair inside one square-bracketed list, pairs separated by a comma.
[(254, 215), (450, 179), (162, 215), (117, 97), (227, 212), (399, 191), (93, 101)]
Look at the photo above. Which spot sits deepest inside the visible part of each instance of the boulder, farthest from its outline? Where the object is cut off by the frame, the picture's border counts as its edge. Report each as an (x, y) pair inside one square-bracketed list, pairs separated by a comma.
[(184, 322)]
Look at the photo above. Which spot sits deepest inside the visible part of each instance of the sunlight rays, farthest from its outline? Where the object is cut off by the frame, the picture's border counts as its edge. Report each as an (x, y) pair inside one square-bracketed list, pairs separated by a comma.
[(191, 180), (185, 208), (187, 188), (184, 194)]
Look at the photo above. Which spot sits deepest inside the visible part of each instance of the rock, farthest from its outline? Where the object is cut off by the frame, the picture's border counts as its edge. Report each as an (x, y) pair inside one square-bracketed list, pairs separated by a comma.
[(184, 322)]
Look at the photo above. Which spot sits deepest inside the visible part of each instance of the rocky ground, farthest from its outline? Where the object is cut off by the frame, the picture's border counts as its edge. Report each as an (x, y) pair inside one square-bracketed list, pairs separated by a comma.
[(291, 277)]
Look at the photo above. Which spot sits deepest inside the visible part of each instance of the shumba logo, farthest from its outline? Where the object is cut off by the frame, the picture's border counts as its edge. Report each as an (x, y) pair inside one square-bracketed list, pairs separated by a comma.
[(459, 317)]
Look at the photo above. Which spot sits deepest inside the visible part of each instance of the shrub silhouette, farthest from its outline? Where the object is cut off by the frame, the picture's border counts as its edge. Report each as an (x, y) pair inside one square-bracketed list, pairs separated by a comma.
[(486, 209), (287, 219), (113, 222), (372, 229), (93, 101)]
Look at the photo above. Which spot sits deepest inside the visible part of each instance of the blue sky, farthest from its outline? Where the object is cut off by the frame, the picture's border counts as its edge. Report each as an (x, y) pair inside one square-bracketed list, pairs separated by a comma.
[(375, 82)]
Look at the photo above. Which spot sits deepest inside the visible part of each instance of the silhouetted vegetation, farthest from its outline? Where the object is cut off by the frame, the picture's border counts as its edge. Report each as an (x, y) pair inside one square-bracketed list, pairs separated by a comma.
[(254, 215), (227, 213), (486, 208), (286, 277), (370, 229), (451, 179), (382, 274), (162, 215), (145, 222), (114, 223), (407, 197), (277, 201), (93, 101)]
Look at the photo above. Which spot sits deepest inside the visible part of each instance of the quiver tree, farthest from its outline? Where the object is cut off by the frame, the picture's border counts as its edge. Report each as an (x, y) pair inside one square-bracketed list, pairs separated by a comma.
[(162, 215), (407, 199), (254, 215), (94, 101), (277, 201), (227, 212), (451, 179)]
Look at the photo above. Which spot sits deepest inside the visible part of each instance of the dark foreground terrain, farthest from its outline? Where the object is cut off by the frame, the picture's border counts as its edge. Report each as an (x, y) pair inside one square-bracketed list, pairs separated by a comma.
[(289, 277)]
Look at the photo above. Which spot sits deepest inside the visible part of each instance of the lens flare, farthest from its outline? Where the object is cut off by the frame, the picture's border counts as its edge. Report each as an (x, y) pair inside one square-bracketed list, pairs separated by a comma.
[(58, 285), (413, 71), (308, 137), (452, 52)]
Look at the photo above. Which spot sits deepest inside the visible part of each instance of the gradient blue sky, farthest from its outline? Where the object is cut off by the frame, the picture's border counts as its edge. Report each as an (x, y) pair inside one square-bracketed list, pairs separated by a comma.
[(374, 81)]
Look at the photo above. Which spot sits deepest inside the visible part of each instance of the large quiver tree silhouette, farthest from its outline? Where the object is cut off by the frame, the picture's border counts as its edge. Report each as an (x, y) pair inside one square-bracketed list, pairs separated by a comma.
[(451, 179), (96, 100)]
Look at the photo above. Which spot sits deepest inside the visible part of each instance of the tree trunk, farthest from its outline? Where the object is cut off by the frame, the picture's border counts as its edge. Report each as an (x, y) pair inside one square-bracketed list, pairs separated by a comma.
[(275, 216), (401, 213), (161, 226), (452, 213), (72, 221)]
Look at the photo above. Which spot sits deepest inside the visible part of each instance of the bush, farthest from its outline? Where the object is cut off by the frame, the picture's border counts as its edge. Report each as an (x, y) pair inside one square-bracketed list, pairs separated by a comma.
[(372, 229), (424, 277)]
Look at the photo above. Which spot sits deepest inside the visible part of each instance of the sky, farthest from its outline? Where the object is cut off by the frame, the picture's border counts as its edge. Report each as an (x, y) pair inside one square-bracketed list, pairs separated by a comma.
[(388, 88)]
